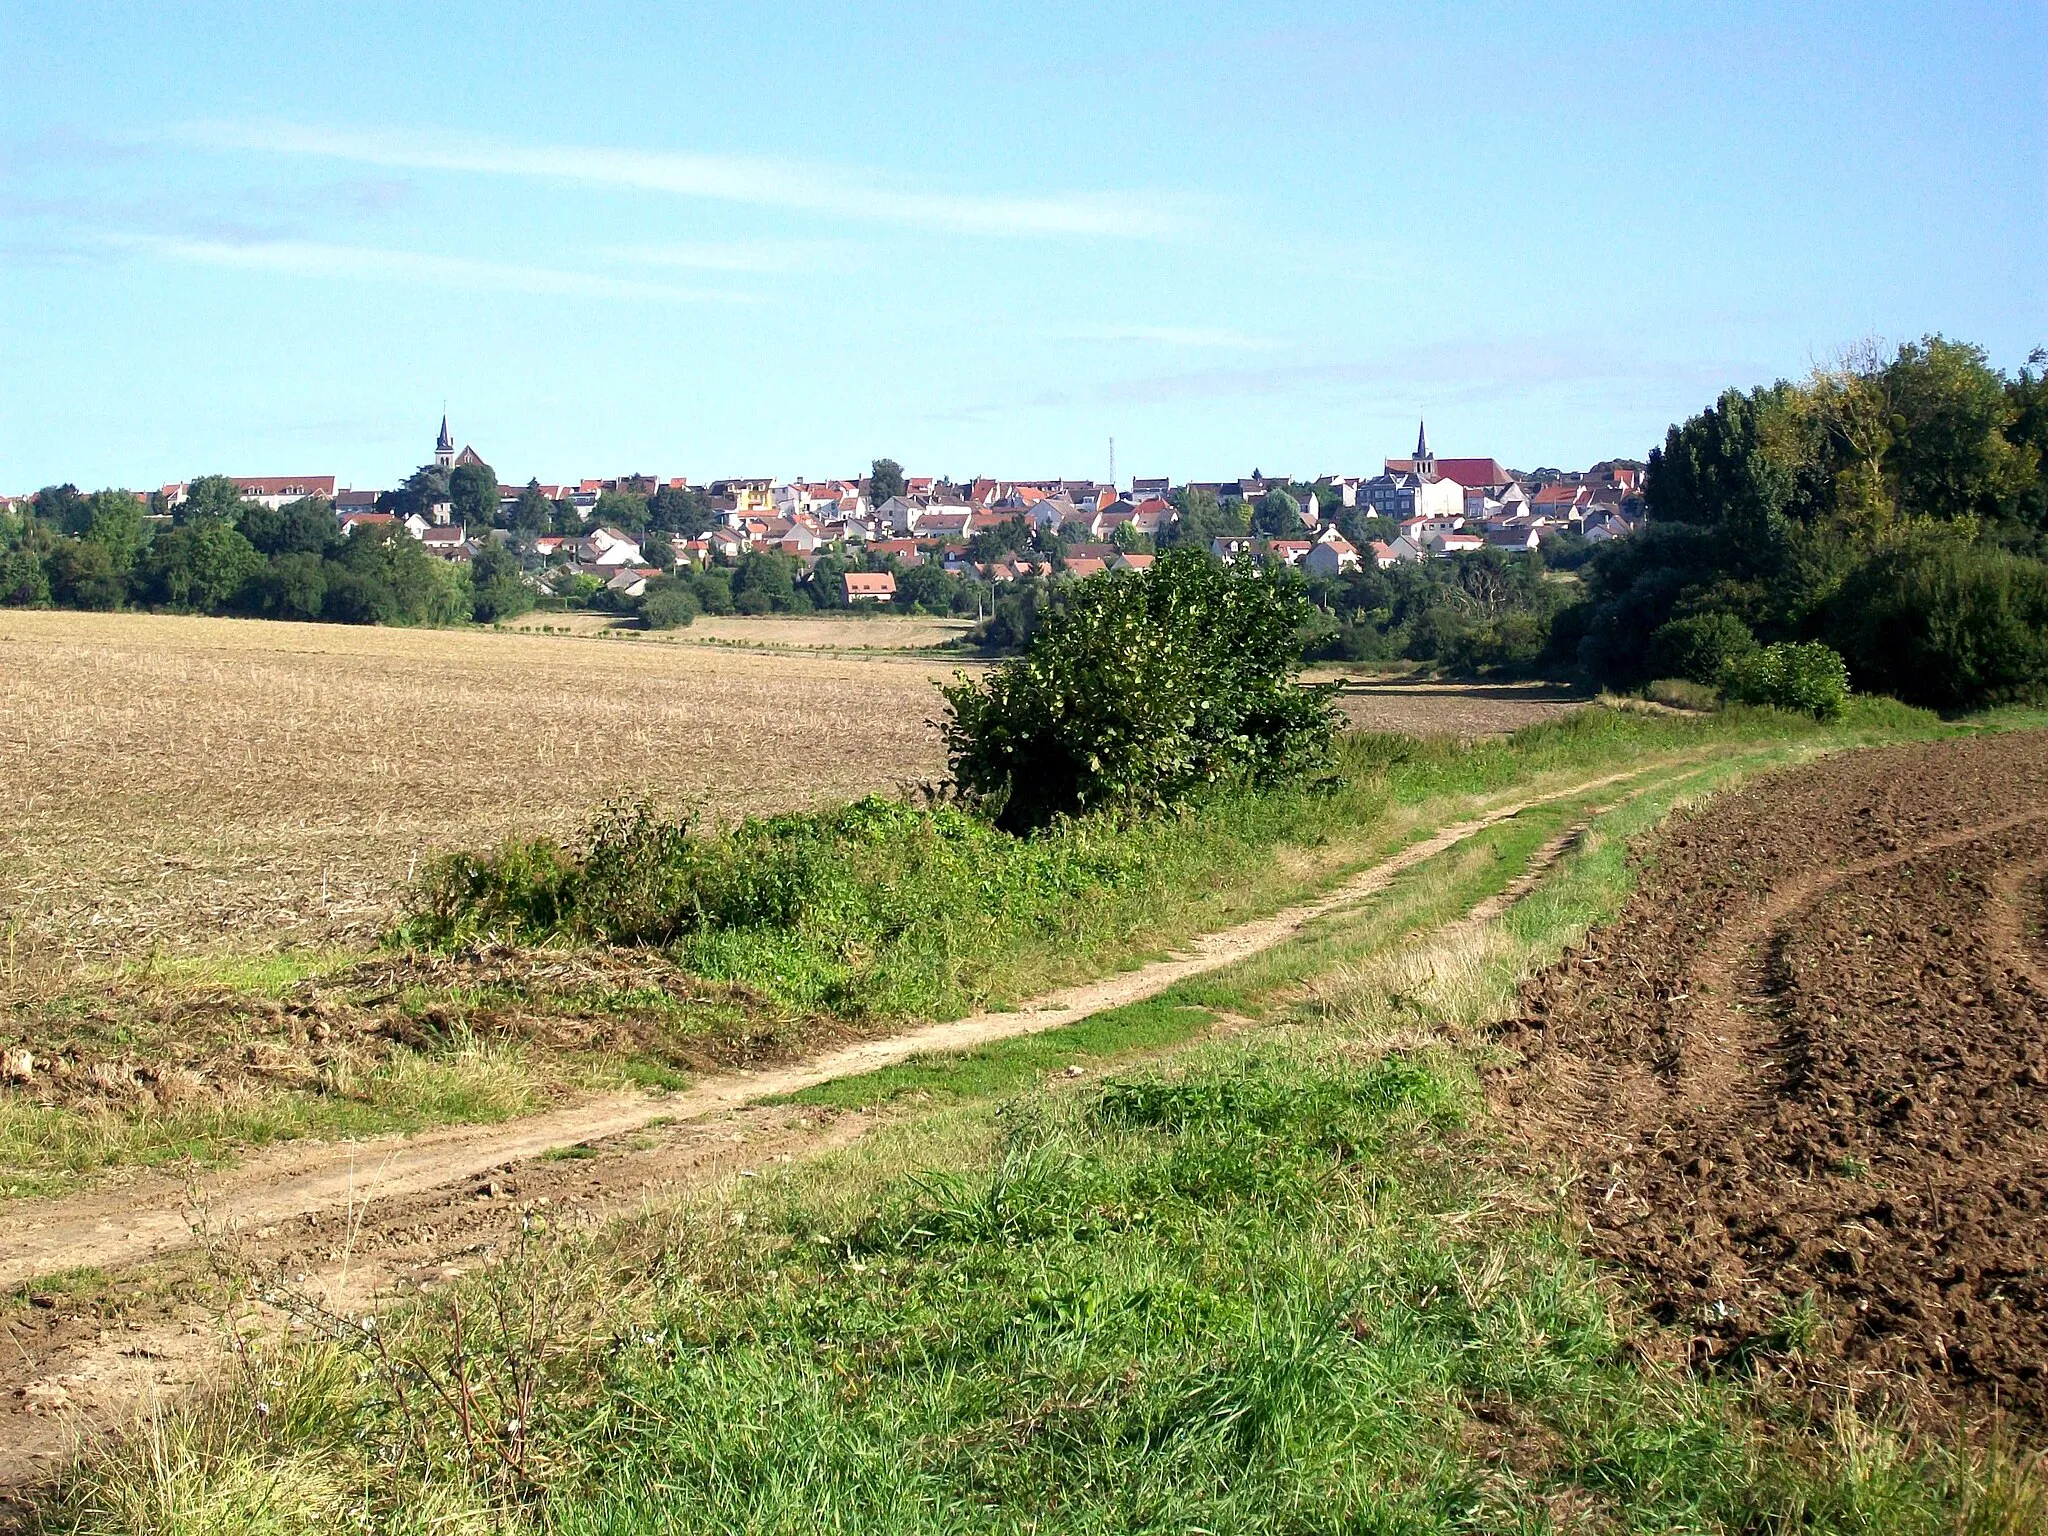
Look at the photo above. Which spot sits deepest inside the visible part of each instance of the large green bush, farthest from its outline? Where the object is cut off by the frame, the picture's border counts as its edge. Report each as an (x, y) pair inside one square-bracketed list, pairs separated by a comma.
[(1804, 678), (1701, 647), (1141, 690), (1946, 624), (668, 603)]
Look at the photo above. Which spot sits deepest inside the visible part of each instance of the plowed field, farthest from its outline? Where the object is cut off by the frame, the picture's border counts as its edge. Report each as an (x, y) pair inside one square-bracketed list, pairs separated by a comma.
[(1805, 1076)]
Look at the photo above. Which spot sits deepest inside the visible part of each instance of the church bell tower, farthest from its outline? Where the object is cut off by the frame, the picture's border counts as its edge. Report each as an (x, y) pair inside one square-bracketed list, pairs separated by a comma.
[(444, 448)]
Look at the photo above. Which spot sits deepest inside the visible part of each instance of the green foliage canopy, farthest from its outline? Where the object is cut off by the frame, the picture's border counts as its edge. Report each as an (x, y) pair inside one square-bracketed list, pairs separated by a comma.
[(1142, 690)]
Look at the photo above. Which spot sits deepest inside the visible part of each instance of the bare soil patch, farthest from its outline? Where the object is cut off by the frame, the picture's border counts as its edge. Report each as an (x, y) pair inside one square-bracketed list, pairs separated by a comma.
[(1805, 1077), (184, 784)]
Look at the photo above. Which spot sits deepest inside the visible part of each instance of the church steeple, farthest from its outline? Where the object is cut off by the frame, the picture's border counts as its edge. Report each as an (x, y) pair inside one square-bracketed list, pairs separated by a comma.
[(444, 446), (1425, 461)]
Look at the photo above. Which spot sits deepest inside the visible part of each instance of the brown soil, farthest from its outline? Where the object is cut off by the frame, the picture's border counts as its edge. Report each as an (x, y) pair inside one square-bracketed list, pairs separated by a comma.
[(1810, 1061)]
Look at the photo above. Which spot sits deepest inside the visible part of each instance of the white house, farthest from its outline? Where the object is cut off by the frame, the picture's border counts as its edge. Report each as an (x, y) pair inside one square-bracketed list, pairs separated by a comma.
[(1422, 529), (1332, 553), (608, 547)]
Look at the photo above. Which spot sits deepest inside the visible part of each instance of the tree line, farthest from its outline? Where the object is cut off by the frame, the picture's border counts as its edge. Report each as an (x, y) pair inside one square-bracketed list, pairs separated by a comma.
[(1894, 509), (219, 554)]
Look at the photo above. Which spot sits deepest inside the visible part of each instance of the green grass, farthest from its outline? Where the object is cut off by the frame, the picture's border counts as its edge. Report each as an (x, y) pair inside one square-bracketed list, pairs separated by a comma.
[(1276, 1280)]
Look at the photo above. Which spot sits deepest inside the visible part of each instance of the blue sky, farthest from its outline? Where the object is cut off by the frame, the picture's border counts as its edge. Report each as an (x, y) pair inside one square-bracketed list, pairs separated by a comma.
[(275, 238)]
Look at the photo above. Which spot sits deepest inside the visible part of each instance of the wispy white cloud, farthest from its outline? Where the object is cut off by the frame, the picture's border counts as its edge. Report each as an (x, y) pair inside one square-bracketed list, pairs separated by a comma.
[(835, 192), (306, 258), (1213, 338), (725, 256)]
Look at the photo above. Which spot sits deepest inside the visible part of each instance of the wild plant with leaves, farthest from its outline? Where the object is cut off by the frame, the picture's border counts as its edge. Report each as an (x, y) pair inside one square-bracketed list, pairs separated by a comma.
[(1144, 690)]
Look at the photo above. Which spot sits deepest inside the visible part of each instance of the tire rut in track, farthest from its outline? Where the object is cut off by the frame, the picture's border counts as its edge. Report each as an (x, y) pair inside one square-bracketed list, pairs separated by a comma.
[(1810, 1060)]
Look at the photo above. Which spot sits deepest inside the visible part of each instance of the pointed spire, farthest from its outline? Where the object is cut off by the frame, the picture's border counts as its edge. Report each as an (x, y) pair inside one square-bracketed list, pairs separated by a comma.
[(446, 441), (1422, 440)]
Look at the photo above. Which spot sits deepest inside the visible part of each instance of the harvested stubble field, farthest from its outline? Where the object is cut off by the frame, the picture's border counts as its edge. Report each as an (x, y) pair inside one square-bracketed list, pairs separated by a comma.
[(1438, 707), (824, 632), (1805, 1076), (179, 785)]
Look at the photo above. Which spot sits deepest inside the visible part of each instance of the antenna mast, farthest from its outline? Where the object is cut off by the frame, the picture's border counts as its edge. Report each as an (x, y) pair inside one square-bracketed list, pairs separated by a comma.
[(1112, 463)]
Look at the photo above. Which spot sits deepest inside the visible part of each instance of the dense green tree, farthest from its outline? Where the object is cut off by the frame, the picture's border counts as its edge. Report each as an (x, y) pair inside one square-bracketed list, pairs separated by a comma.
[(1699, 647), (885, 479), (117, 522), (668, 603), (498, 584), (1948, 455), (305, 526), (1006, 538), (23, 582), (63, 508), (292, 586), (381, 575), (420, 492), (621, 510), (2026, 530), (532, 514), (680, 510), (764, 581), (210, 496), (1203, 518), (1278, 515), (473, 495), (1944, 621), (713, 586), (1805, 509), (200, 566), (85, 575), (1140, 690), (926, 589)]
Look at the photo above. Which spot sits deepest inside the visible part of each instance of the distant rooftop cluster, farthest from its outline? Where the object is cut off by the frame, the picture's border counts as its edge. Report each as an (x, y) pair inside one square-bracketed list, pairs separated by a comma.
[(1415, 508)]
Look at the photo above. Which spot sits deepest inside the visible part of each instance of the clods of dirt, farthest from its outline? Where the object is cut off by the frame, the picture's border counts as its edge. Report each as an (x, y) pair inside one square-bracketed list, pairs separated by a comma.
[(1804, 1076)]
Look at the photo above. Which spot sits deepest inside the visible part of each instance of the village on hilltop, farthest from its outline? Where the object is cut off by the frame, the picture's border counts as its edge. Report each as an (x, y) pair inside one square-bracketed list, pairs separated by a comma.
[(628, 530)]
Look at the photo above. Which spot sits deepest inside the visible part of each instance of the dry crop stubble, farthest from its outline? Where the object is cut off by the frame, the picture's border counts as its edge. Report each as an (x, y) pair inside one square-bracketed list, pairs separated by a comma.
[(184, 784)]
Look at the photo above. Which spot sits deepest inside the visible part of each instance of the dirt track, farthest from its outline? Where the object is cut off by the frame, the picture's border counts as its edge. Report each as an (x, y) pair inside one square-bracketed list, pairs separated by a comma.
[(1810, 1059), (353, 1222)]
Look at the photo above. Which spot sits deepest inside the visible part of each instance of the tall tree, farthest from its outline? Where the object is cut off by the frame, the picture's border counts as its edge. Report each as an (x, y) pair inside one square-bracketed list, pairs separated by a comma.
[(473, 492), (116, 523), (1278, 515), (532, 514), (681, 510), (214, 496), (885, 479), (63, 508)]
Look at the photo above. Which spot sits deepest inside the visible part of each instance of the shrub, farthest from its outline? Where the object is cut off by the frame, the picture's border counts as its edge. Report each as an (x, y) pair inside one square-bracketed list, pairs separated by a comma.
[(1141, 690), (1946, 624), (1699, 648), (1804, 678), (668, 604)]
